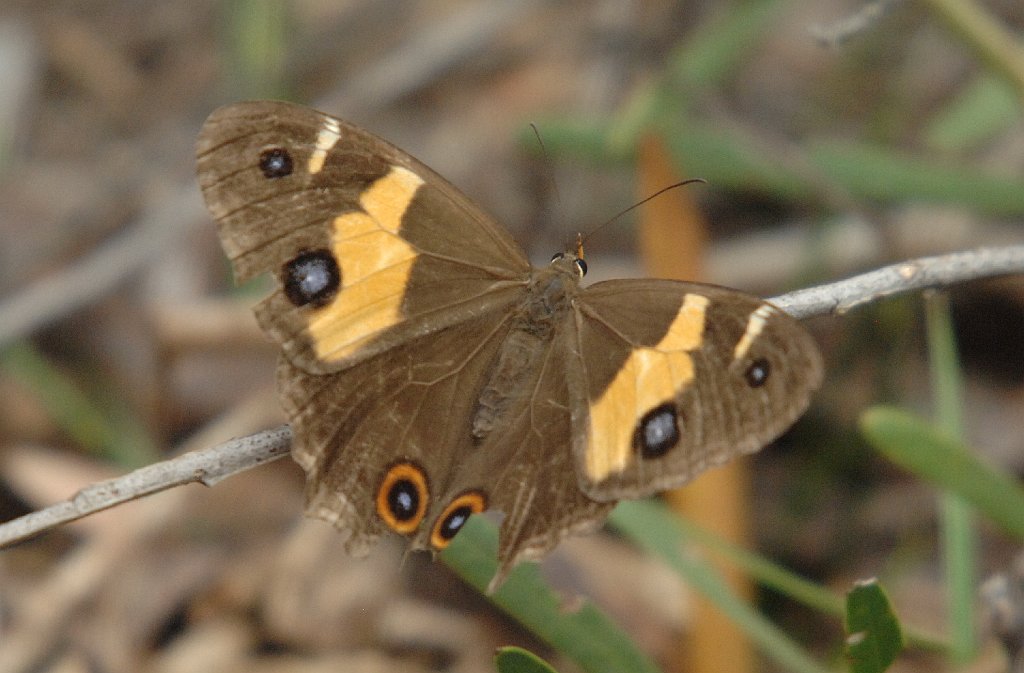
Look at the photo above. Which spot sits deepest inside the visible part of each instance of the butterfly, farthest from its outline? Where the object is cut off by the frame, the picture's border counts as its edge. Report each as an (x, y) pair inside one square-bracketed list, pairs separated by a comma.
[(430, 372)]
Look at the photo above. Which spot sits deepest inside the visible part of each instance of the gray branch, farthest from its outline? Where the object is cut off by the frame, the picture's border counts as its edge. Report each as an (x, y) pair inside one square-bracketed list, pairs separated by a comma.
[(208, 466), (836, 34), (205, 466), (916, 274)]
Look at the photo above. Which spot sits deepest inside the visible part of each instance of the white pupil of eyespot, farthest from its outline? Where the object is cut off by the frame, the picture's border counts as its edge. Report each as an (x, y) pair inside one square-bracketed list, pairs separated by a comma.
[(659, 429), (404, 500), (313, 277)]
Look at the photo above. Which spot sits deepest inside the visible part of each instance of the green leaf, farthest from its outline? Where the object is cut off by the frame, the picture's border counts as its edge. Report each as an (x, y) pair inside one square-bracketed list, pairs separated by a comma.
[(518, 660), (103, 427), (986, 107), (957, 522), (256, 40), (728, 159), (918, 446), (718, 47), (873, 634), (654, 528), (584, 633), (880, 173)]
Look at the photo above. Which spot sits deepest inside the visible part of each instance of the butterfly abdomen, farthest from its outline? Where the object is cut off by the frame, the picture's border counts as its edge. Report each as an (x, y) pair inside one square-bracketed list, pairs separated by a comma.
[(509, 376), (516, 367)]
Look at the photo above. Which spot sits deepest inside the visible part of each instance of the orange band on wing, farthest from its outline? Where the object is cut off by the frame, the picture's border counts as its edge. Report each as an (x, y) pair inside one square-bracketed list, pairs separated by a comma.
[(375, 263), (649, 377)]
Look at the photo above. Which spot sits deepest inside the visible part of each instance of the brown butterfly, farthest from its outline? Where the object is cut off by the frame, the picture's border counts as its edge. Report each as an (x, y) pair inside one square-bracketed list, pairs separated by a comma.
[(430, 372)]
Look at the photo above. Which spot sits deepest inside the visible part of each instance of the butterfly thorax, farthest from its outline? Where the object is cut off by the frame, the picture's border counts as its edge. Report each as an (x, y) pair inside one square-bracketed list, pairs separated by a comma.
[(550, 292), (532, 325)]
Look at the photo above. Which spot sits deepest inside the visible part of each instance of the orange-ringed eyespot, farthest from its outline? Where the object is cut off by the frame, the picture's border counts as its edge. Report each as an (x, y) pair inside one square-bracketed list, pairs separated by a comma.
[(402, 497), (455, 516)]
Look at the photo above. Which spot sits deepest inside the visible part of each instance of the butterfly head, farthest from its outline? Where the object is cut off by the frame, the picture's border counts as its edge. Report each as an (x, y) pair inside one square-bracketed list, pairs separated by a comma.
[(571, 261)]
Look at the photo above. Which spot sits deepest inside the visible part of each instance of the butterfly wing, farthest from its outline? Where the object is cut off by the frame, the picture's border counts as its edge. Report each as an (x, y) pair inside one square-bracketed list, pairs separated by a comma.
[(370, 247), (396, 420), (392, 299), (674, 378)]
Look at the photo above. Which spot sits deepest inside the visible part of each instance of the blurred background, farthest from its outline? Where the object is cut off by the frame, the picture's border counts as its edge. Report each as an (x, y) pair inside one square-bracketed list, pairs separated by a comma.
[(835, 136)]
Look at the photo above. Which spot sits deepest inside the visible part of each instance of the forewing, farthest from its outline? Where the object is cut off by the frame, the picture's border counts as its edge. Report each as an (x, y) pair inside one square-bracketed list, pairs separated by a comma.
[(290, 186), (676, 377)]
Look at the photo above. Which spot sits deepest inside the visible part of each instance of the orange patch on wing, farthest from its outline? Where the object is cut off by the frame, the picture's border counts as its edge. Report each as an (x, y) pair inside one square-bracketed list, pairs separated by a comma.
[(649, 377), (375, 263)]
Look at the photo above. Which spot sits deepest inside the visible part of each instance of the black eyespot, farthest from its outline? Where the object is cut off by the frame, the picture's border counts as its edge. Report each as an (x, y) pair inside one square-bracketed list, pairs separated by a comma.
[(657, 431), (454, 522), (757, 373), (313, 277), (455, 516), (276, 162), (557, 256), (581, 267), (402, 497), (403, 500)]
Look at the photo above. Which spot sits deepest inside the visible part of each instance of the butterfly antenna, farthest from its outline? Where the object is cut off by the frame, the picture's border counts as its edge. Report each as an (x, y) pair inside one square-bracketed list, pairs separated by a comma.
[(656, 194), (548, 173)]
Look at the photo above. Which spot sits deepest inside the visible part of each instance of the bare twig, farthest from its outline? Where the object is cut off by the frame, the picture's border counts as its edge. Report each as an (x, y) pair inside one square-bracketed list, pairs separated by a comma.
[(916, 274), (835, 34), (209, 466), (205, 466)]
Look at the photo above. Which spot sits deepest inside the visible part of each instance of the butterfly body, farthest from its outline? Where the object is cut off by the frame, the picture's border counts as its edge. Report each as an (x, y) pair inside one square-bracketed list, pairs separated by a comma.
[(430, 372)]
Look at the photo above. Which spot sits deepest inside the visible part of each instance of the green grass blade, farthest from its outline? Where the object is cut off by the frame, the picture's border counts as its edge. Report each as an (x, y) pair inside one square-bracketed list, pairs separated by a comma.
[(959, 541), (728, 160), (518, 660), (772, 575), (985, 108), (585, 635), (107, 430), (931, 454), (760, 569), (654, 528), (717, 48), (256, 40), (881, 174)]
